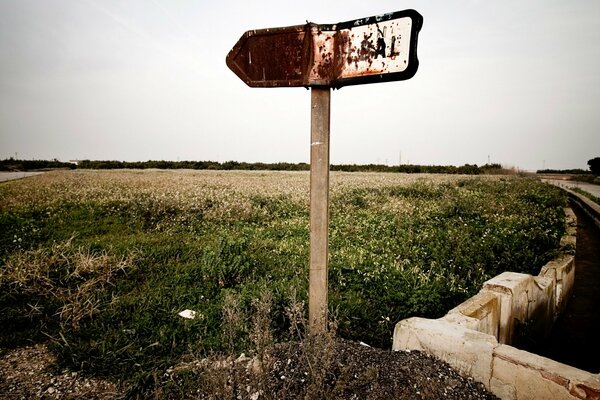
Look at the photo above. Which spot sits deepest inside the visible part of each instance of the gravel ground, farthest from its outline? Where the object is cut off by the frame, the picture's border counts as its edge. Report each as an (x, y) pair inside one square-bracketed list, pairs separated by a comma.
[(356, 372), (27, 373), (369, 373)]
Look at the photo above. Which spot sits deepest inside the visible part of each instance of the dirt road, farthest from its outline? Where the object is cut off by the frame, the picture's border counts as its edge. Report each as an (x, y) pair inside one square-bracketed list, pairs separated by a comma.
[(9, 176), (587, 187)]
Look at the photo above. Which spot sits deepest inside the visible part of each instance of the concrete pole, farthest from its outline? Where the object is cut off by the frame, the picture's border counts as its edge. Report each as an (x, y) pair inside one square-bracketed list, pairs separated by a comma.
[(319, 208)]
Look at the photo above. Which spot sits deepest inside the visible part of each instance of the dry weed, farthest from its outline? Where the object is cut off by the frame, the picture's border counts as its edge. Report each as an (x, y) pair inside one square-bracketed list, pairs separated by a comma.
[(64, 274)]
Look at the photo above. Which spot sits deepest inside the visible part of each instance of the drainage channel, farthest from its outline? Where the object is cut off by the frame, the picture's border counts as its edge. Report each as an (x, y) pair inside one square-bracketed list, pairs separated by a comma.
[(575, 338)]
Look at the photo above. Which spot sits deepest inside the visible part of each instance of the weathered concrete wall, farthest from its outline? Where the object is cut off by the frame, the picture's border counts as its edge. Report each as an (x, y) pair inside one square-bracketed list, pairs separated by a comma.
[(527, 304), (509, 373), (588, 206), (481, 313), (514, 306), (511, 308), (517, 374)]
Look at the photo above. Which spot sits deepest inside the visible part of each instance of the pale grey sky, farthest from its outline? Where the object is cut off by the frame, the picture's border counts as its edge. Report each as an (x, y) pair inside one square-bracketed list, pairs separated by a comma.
[(517, 81)]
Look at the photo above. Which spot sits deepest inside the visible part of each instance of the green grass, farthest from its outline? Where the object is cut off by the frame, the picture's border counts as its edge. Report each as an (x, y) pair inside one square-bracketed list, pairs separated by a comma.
[(114, 270)]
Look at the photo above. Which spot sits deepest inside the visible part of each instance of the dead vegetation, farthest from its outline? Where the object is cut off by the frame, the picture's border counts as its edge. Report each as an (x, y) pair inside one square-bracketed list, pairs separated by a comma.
[(63, 280)]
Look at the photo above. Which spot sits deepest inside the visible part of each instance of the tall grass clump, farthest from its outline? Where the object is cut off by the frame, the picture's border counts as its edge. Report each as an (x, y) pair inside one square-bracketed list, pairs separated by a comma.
[(55, 287), (101, 263)]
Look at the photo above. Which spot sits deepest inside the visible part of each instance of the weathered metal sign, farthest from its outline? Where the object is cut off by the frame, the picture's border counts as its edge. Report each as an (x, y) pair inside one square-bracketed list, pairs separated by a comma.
[(382, 48)]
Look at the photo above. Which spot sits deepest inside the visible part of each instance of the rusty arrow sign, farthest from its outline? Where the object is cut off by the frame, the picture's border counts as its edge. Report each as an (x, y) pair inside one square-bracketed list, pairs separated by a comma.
[(381, 48)]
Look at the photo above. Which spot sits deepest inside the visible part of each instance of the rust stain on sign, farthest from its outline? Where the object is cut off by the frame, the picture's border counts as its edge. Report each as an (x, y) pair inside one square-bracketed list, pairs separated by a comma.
[(254, 61), (376, 49)]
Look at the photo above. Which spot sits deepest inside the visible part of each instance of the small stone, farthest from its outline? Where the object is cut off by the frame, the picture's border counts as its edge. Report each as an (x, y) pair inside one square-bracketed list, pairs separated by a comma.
[(256, 395), (255, 366)]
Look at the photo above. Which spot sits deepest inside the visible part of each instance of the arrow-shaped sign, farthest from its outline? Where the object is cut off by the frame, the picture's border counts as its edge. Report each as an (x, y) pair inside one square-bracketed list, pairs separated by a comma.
[(382, 48)]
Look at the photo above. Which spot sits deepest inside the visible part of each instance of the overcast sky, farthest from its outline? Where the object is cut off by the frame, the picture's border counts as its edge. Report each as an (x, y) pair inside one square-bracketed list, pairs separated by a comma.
[(515, 81)]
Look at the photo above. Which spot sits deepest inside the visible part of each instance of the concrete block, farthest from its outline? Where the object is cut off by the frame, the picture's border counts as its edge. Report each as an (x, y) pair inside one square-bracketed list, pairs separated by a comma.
[(506, 391), (541, 307), (566, 273), (462, 320), (562, 270), (468, 351), (536, 377), (527, 305), (512, 289), (480, 312)]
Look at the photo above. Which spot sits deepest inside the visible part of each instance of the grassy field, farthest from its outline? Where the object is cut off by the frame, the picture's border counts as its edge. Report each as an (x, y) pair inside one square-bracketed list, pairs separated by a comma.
[(100, 263)]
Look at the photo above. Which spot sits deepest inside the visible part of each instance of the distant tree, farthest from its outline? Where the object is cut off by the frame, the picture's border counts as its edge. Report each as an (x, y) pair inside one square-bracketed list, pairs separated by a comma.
[(594, 164)]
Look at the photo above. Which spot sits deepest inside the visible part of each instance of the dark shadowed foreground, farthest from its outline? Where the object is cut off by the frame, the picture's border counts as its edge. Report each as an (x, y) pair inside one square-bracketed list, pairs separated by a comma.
[(356, 372)]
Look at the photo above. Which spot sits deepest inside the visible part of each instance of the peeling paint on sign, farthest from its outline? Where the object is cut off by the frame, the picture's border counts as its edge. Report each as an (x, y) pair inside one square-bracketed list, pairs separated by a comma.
[(375, 49)]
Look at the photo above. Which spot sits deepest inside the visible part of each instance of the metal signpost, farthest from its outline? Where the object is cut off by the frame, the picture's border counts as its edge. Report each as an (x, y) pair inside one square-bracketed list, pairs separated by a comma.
[(382, 48)]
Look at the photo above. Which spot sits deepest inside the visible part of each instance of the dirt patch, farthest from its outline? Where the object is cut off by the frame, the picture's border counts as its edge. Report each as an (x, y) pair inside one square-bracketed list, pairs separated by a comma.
[(360, 372), (27, 373), (356, 372)]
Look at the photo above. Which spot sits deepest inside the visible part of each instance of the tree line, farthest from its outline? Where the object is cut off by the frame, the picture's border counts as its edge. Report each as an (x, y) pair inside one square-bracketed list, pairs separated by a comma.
[(12, 164), (577, 171), (593, 164)]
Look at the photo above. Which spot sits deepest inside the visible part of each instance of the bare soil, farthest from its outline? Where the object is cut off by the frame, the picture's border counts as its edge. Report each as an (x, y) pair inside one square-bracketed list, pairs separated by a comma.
[(29, 373), (356, 372), (360, 372)]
